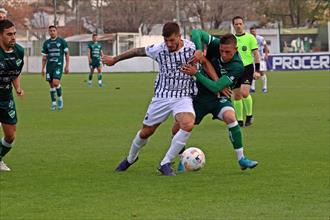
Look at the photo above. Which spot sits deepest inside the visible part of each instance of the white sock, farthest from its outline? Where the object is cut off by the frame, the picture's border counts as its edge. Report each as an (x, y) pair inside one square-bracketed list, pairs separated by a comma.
[(100, 81), (178, 142), (137, 144), (5, 143), (264, 81), (60, 98), (53, 103), (239, 153), (253, 85)]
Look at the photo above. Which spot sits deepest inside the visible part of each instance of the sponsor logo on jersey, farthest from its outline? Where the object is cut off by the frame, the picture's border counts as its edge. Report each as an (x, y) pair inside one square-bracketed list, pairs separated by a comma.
[(12, 113), (18, 62)]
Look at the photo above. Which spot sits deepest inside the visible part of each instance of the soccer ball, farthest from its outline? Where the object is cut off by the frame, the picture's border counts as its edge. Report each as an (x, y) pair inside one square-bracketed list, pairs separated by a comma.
[(192, 159)]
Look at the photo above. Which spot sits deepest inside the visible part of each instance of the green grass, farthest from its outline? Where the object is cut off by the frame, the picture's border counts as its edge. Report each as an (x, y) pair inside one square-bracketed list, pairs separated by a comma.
[(62, 162)]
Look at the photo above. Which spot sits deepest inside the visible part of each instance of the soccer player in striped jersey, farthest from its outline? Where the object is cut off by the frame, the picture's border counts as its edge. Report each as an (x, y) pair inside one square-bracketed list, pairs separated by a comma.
[(223, 55), (52, 52), (172, 94), (263, 52), (248, 50), (11, 64)]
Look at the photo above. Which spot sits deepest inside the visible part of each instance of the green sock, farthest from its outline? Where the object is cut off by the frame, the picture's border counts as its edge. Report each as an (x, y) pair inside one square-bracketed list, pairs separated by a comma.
[(59, 91), (4, 148), (99, 76), (90, 77), (248, 103), (235, 135), (53, 94), (238, 105)]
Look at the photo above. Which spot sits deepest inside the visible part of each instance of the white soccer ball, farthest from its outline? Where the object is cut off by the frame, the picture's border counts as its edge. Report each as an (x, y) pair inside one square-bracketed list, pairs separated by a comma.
[(192, 159)]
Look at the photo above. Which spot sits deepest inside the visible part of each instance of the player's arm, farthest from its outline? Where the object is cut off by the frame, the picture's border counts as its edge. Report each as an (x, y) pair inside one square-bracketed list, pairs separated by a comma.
[(17, 85), (43, 64), (135, 52), (199, 37), (89, 56), (209, 69), (255, 52), (67, 62)]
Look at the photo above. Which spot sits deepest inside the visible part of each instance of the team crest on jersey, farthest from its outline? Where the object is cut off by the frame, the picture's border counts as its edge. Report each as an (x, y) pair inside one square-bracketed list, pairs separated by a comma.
[(244, 48), (18, 62), (58, 44)]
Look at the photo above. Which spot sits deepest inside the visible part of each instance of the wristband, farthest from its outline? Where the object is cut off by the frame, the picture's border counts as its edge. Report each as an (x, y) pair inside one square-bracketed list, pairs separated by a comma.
[(257, 65)]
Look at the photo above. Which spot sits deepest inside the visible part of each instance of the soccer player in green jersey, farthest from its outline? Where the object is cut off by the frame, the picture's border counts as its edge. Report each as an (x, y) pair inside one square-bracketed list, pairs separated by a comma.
[(11, 64), (53, 52), (248, 49), (223, 55), (94, 59)]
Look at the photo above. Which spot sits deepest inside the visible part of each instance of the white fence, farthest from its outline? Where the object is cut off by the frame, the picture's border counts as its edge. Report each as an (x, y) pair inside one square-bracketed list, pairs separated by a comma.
[(80, 65)]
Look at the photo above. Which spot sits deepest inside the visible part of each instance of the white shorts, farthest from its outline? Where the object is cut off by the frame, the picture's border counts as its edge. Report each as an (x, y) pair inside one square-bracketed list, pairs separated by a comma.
[(160, 108), (263, 66)]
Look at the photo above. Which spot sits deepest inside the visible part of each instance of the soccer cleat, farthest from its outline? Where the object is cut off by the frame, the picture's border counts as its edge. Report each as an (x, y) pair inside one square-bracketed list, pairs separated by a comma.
[(240, 123), (166, 170), (100, 84), (60, 104), (3, 166), (53, 107), (246, 163), (264, 90), (249, 120), (89, 83), (252, 90), (124, 165), (180, 167)]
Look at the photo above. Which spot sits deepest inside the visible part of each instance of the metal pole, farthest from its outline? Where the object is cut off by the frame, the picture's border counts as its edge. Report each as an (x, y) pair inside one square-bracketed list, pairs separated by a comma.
[(55, 19), (177, 11)]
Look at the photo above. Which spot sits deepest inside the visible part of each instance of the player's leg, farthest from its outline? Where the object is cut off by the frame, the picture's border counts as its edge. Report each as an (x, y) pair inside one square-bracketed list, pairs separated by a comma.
[(184, 115), (99, 75), (263, 69), (90, 75), (238, 105), (157, 112), (245, 91), (227, 114), (253, 86), (58, 87), (52, 95), (9, 131)]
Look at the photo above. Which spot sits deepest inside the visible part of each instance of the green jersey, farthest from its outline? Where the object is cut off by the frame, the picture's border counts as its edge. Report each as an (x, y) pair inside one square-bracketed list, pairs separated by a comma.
[(228, 72), (246, 43), (95, 51), (54, 49), (11, 64)]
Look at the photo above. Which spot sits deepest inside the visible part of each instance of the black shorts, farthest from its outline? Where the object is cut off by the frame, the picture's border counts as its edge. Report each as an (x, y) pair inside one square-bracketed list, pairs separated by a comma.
[(247, 76)]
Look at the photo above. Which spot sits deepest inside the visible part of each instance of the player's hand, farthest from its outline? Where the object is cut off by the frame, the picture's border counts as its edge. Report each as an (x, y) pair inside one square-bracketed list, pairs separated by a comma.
[(66, 70), (198, 55), (43, 73), (20, 92), (108, 60), (227, 92), (189, 69), (256, 75)]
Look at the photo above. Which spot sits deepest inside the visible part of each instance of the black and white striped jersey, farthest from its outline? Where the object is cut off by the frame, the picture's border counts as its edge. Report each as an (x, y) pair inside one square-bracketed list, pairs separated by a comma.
[(170, 81)]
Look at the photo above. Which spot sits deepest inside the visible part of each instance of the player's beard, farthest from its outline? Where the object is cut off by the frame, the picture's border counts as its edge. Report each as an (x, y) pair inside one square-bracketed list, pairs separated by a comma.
[(176, 47)]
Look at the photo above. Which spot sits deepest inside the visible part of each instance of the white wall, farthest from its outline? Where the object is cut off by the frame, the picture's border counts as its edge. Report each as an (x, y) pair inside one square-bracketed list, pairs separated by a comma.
[(80, 64)]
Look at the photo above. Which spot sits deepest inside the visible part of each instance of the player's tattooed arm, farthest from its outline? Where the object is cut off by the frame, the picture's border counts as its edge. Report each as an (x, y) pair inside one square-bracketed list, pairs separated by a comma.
[(135, 52)]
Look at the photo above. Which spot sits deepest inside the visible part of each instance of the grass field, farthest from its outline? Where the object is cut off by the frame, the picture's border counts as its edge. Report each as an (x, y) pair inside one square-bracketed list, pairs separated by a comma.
[(63, 162)]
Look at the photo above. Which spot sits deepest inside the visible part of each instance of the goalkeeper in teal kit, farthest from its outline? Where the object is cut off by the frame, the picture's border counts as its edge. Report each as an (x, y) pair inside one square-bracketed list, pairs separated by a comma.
[(222, 53)]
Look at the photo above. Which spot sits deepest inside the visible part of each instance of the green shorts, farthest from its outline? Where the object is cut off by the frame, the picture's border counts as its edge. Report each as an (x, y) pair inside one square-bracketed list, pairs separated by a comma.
[(8, 113), (95, 64), (55, 73), (216, 107)]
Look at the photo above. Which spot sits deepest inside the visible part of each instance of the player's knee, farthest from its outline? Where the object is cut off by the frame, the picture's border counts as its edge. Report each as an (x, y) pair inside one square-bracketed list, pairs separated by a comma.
[(245, 93), (146, 132), (187, 125), (10, 138), (229, 117)]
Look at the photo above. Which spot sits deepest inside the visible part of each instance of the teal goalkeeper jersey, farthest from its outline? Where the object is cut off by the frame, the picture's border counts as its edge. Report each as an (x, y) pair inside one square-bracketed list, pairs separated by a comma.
[(11, 64), (54, 49), (95, 51)]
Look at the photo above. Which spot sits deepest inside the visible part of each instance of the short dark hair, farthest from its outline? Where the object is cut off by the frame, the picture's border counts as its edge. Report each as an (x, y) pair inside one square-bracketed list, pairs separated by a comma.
[(94, 34), (52, 26), (170, 28), (236, 17), (228, 39), (253, 28), (5, 24)]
